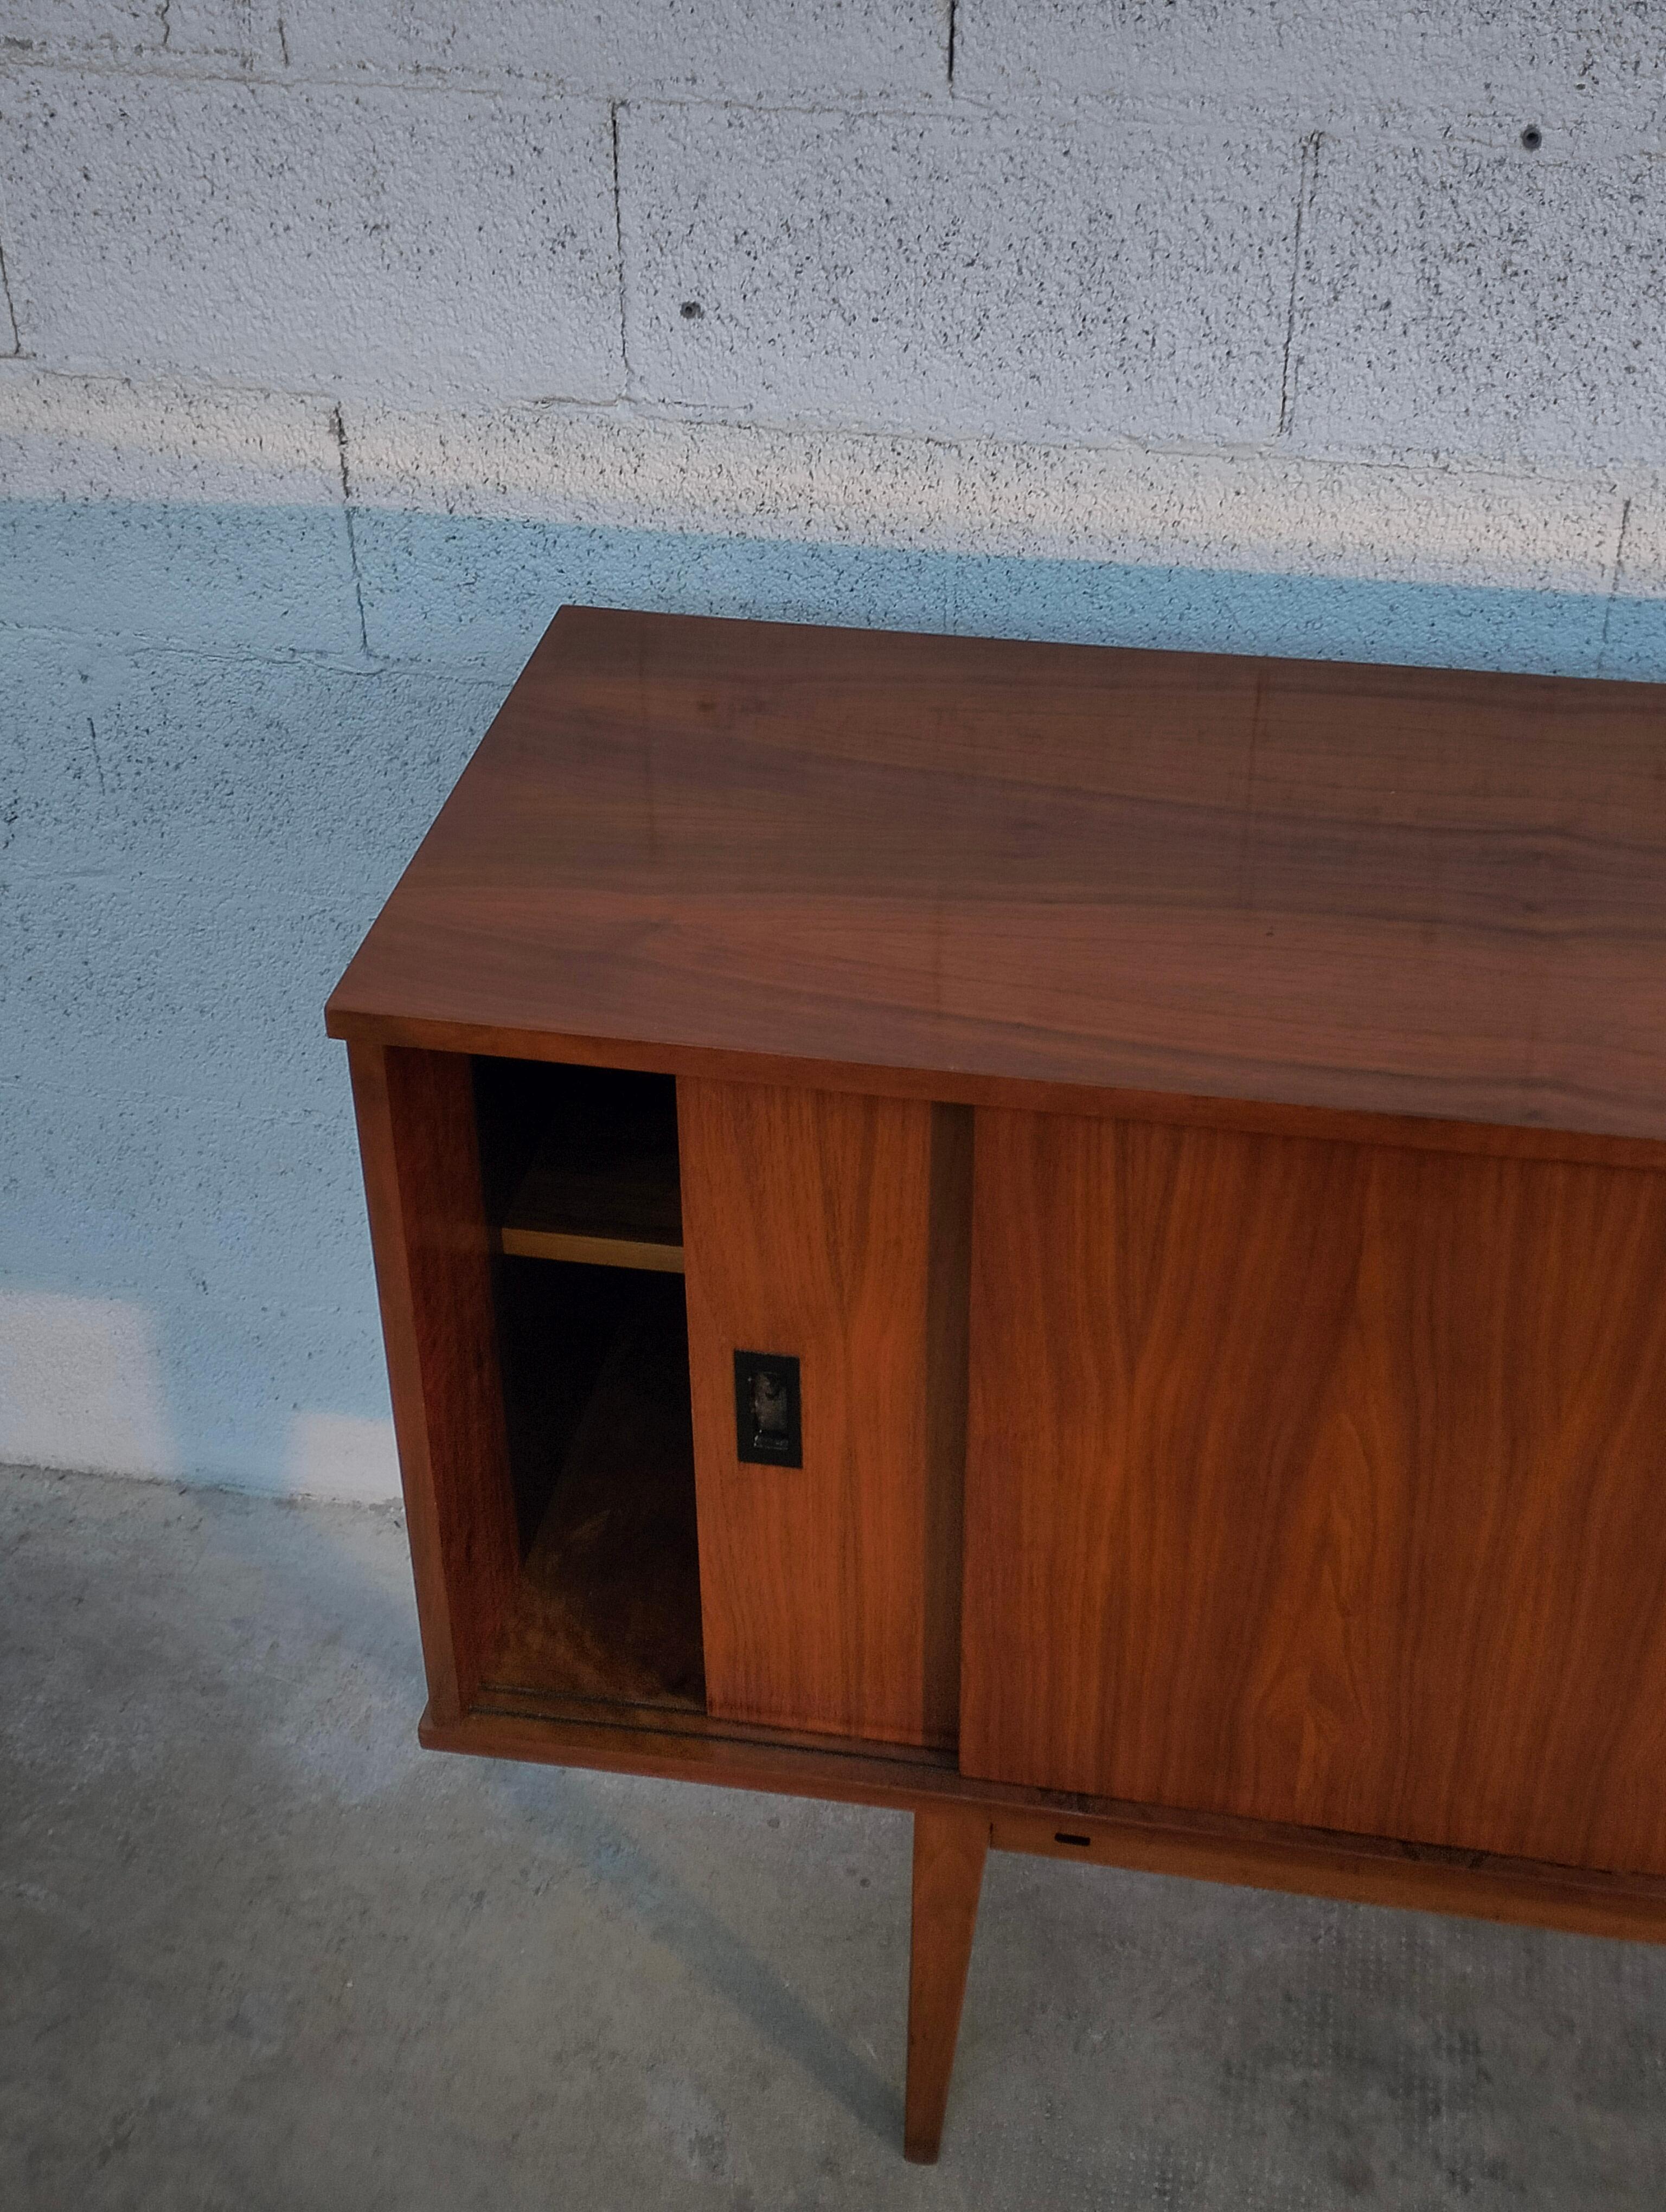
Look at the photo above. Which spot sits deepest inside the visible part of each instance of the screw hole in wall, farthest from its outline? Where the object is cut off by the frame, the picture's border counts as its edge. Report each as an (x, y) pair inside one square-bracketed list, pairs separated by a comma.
[(692, 311), (1532, 139)]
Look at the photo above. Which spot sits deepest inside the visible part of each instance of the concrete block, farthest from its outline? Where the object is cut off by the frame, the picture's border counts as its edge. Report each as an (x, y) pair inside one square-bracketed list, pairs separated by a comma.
[(1580, 73), (224, 35), (1634, 622), (1492, 304), (170, 993), (122, 1193), (201, 36), (400, 242), (1269, 511), (945, 276), (612, 470), (476, 523), (1318, 617), (106, 30), (107, 437), (1015, 52), (1641, 565), (218, 577), (274, 780), (476, 595), (848, 49), (1273, 514), (211, 518)]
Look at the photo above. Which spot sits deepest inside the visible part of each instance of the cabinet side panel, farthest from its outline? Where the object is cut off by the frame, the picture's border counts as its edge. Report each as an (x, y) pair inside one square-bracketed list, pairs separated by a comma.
[(1320, 1483), (830, 1228), (427, 1225)]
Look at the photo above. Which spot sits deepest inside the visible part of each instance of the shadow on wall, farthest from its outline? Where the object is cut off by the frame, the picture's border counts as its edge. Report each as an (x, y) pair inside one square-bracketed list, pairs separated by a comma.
[(470, 596), (222, 732), (482, 592)]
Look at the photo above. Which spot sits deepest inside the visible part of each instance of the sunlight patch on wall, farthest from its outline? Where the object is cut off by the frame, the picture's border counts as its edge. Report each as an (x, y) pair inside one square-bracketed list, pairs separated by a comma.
[(341, 1455), (80, 1386)]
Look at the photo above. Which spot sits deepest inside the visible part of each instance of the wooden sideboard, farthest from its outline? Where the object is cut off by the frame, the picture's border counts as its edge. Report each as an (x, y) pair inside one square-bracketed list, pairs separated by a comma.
[(1070, 1240)]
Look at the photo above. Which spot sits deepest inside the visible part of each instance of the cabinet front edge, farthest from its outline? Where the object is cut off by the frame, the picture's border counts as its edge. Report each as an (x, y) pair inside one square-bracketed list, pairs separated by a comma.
[(951, 1087)]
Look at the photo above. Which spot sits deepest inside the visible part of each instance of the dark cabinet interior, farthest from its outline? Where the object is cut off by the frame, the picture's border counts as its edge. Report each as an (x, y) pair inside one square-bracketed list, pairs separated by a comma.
[(594, 1365)]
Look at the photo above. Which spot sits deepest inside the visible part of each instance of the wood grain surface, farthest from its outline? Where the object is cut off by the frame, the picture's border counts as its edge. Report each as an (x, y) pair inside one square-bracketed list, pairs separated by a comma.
[(831, 1229), (950, 1848), (957, 1086), (587, 1251), (1382, 890), (418, 1148), (1321, 1484)]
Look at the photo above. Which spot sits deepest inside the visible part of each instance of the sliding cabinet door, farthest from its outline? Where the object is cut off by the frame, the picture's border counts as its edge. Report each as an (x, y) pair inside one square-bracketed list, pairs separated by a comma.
[(828, 1231), (1320, 1483)]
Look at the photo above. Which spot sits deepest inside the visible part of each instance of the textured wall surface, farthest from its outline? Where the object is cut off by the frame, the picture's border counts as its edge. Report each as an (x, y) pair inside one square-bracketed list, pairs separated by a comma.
[(340, 344)]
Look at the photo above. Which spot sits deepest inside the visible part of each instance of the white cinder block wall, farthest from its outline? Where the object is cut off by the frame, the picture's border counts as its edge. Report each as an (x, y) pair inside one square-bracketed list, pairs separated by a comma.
[(339, 344)]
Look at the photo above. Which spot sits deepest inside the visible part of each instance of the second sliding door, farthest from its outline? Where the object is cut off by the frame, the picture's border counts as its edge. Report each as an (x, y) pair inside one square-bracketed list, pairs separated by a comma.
[(1320, 1483)]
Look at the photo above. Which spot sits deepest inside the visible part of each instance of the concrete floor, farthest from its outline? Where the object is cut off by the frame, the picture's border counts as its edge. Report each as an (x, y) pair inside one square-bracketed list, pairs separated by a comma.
[(258, 1951)]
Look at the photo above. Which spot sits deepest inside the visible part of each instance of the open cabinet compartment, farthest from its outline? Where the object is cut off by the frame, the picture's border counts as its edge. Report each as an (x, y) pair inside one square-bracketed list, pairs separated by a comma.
[(579, 1178), (548, 1420)]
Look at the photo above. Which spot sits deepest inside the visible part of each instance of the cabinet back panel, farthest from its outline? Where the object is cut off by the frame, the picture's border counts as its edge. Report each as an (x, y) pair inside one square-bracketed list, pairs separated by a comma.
[(832, 1229), (1320, 1483)]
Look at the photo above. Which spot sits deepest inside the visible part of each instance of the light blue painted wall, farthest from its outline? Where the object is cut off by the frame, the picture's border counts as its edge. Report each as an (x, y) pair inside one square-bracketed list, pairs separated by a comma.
[(207, 785)]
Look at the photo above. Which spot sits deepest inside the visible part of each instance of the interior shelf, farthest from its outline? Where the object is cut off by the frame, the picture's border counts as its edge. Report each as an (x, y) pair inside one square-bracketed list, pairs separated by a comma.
[(525, 1240)]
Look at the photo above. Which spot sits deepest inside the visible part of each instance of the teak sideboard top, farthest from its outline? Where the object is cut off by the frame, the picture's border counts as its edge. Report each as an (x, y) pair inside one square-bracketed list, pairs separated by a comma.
[(943, 867)]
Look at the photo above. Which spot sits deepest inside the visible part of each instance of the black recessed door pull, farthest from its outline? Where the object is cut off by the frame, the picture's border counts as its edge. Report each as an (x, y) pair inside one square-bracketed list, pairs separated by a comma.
[(768, 1426)]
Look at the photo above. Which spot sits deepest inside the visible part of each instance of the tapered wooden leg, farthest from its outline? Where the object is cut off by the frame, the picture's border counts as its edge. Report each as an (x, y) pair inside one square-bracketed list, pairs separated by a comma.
[(949, 1852)]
